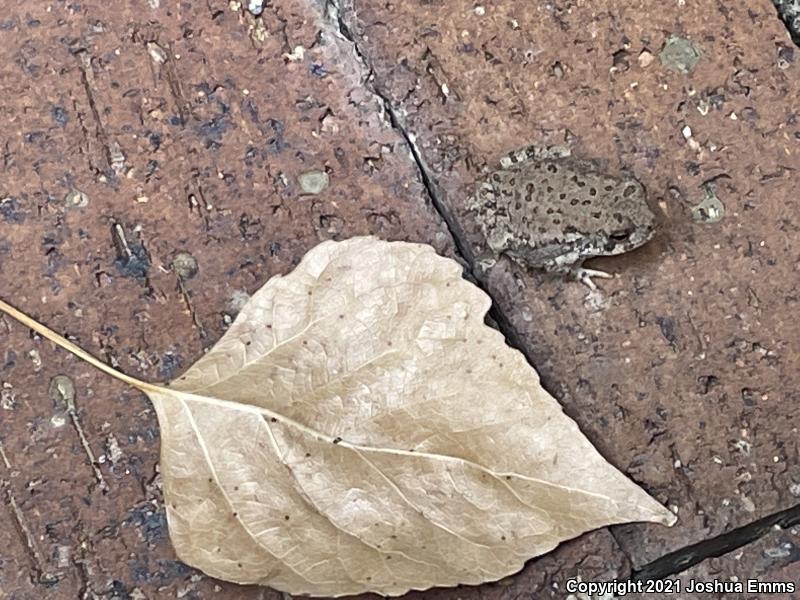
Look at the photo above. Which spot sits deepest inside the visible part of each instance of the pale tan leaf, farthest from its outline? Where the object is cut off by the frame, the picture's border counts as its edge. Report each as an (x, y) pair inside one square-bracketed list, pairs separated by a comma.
[(359, 428)]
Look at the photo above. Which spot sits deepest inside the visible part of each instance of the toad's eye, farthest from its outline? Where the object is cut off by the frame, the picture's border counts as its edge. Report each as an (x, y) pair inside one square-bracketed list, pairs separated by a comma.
[(620, 236)]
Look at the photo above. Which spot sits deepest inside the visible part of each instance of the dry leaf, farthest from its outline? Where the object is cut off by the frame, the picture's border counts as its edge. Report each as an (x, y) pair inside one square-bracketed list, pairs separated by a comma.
[(359, 428)]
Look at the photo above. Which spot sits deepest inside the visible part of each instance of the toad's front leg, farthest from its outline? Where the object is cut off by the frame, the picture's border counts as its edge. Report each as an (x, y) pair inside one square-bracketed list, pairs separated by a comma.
[(585, 276), (578, 272)]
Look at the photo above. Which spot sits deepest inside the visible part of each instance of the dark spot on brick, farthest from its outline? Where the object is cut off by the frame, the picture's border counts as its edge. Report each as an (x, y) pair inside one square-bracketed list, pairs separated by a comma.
[(169, 364), (10, 211), (132, 259), (214, 129), (668, 328), (152, 524), (317, 70), (706, 382), (35, 137), (750, 397), (60, 116), (152, 167)]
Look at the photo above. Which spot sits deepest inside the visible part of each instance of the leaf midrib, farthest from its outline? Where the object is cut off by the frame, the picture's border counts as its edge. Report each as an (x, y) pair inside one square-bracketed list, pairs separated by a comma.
[(310, 431)]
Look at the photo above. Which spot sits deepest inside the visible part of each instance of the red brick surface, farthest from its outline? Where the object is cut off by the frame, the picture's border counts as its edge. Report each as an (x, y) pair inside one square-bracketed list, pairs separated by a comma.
[(188, 124), (684, 373)]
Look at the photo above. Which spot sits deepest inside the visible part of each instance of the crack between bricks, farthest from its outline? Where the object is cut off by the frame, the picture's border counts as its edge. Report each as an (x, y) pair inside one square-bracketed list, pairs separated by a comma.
[(332, 11), (684, 558), (671, 563)]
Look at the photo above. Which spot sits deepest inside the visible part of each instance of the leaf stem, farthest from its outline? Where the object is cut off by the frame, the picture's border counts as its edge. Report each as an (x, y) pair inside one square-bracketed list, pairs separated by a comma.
[(64, 343)]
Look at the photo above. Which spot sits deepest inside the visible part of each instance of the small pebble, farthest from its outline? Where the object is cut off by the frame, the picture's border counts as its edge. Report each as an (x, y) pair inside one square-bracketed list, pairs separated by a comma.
[(113, 450), (8, 400), (63, 556), (710, 210), (296, 55), (76, 199), (680, 54), (61, 392), (157, 53), (255, 7), (184, 265), (645, 59), (313, 182)]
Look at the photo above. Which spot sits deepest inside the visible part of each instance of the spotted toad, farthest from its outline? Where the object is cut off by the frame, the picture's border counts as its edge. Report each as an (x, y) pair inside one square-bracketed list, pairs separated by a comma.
[(552, 212)]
